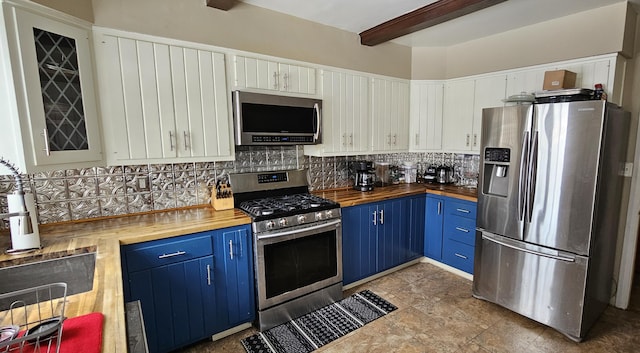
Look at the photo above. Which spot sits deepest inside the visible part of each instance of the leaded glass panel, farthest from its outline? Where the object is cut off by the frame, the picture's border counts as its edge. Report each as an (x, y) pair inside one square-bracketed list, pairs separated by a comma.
[(61, 91)]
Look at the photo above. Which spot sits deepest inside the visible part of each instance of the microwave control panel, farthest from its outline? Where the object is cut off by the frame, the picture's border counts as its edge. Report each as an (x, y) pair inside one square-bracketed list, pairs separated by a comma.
[(281, 139)]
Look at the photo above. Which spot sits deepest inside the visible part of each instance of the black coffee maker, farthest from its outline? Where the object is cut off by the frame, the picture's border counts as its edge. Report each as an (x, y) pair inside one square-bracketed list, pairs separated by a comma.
[(365, 175)]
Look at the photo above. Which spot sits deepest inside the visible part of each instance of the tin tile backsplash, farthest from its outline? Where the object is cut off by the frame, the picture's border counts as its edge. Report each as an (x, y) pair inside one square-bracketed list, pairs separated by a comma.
[(66, 195)]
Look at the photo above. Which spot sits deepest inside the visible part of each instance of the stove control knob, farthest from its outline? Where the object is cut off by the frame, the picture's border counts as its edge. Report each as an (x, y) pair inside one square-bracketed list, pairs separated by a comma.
[(318, 216), (301, 219), (270, 224), (329, 214), (282, 222)]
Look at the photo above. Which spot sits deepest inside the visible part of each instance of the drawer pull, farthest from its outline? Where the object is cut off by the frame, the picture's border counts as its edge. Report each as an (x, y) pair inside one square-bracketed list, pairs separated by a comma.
[(462, 210), (177, 253), (462, 229), (461, 256)]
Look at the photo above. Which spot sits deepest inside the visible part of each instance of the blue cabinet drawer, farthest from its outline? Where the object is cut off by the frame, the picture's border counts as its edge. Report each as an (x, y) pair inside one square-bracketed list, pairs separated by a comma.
[(458, 255), (460, 229), (460, 208), (163, 252)]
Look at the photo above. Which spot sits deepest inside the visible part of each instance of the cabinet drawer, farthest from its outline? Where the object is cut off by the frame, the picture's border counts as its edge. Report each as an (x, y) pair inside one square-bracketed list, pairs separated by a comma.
[(460, 229), (164, 252), (460, 208), (458, 255)]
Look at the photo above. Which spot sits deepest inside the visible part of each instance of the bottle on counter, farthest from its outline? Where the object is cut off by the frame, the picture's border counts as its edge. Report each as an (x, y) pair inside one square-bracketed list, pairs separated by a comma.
[(599, 93)]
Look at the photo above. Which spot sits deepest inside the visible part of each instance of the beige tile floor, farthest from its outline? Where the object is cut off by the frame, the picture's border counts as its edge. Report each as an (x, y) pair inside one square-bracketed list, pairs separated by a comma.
[(436, 313)]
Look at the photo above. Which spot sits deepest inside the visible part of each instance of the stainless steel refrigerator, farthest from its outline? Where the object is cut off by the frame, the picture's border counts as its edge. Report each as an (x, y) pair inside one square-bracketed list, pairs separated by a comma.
[(548, 206)]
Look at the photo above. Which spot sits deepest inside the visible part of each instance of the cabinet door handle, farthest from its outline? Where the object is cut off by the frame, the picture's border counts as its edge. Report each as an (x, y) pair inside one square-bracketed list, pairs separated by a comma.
[(462, 210), (351, 140), (395, 139), (460, 256), (209, 275), (171, 140), (286, 81), (475, 140), (468, 138), (375, 218), (389, 139), (45, 135), (187, 142), (417, 138), (439, 207), (177, 253), (231, 249), (275, 80), (344, 139), (462, 229), (381, 216)]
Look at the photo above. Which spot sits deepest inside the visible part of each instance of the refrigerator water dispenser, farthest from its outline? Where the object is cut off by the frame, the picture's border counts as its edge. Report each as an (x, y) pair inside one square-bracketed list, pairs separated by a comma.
[(496, 171)]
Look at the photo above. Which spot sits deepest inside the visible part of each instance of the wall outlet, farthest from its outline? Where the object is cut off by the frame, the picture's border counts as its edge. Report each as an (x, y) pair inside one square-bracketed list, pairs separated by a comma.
[(143, 184), (627, 169)]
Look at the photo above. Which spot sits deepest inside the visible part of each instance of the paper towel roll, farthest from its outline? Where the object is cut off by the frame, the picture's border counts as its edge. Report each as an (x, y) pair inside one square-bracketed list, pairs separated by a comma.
[(26, 241)]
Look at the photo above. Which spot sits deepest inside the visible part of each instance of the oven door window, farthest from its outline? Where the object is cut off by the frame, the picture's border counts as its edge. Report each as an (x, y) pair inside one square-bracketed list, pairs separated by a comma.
[(299, 262)]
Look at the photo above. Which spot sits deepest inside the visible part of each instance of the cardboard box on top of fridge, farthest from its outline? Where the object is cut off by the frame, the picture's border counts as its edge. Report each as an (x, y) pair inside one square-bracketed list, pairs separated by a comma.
[(559, 79)]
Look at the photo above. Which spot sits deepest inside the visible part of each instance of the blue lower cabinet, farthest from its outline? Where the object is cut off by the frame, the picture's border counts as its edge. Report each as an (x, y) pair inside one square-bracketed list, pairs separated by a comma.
[(380, 235), (191, 287), (434, 218), (450, 231)]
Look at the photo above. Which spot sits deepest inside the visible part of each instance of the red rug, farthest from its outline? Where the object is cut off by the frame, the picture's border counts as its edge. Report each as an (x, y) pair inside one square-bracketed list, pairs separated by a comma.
[(80, 334)]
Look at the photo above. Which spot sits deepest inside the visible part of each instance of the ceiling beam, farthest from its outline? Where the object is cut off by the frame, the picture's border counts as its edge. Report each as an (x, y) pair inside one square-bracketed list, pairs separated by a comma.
[(221, 4), (424, 17)]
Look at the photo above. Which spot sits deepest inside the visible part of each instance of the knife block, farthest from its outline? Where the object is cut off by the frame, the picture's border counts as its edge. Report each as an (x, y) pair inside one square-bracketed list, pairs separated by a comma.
[(219, 204)]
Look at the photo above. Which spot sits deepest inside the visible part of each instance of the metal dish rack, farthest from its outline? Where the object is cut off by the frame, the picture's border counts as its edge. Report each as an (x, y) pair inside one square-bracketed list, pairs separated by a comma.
[(39, 314)]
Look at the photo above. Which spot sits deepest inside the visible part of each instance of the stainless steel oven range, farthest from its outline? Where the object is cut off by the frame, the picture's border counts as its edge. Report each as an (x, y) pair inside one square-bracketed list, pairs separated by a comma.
[(297, 239)]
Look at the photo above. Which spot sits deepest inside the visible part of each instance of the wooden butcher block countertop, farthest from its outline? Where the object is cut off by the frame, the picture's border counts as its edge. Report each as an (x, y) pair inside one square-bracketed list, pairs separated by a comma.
[(350, 197), (105, 237)]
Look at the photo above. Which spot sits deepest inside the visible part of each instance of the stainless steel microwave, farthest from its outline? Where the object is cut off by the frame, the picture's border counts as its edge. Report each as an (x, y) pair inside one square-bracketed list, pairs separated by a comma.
[(266, 119)]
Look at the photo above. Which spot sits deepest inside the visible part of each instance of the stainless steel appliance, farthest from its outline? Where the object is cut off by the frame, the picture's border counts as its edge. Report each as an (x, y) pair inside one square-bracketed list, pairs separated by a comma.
[(266, 119), (431, 174), (365, 175), (444, 175), (548, 206), (297, 244)]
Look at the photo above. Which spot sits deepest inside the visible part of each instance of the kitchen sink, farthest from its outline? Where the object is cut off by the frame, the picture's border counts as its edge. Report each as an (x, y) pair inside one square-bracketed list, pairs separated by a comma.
[(77, 271)]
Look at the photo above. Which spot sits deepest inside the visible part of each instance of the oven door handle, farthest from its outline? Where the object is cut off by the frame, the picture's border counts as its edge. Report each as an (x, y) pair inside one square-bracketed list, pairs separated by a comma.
[(289, 232)]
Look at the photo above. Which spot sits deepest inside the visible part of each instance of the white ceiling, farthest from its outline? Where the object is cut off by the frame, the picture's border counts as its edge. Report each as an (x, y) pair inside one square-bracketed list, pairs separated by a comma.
[(359, 15)]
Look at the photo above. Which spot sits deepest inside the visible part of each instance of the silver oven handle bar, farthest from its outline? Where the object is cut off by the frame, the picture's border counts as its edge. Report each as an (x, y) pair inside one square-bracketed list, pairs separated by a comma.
[(298, 230)]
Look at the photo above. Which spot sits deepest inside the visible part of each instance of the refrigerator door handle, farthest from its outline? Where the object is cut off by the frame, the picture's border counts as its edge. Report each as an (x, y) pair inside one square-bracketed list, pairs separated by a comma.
[(490, 238), (522, 176), (533, 169)]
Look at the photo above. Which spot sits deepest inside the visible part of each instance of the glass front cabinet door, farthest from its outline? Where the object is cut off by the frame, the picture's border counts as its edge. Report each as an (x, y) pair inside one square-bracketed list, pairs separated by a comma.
[(52, 71)]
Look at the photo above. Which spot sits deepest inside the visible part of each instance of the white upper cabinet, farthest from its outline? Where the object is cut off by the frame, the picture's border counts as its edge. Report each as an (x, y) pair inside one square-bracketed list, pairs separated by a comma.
[(165, 101), (390, 111), (426, 103), (273, 76), (489, 92), (457, 124), (345, 114), (48, 99)]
